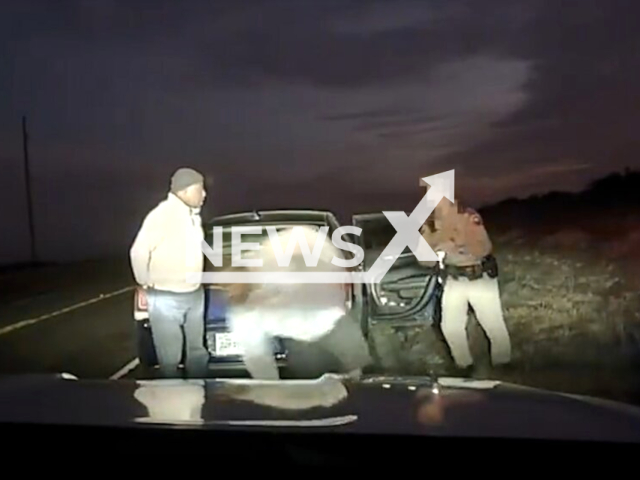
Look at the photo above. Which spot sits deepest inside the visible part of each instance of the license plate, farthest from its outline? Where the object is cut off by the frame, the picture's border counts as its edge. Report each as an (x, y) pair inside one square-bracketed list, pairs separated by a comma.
[(226, 345)]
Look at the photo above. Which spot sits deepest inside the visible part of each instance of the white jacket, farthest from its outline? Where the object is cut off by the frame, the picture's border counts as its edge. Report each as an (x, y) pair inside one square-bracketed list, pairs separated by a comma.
[(168, 247)]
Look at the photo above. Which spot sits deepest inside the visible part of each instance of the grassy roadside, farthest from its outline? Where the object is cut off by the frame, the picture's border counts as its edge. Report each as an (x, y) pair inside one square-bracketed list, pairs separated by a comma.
[(572, 305)]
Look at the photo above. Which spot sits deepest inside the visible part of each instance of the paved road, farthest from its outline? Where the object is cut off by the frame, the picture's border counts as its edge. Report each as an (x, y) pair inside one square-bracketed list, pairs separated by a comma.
[(74, 319), (77, 319)]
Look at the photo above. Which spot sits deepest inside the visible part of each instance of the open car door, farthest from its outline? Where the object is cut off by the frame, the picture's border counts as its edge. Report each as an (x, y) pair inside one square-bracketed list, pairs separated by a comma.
[(409, 293)]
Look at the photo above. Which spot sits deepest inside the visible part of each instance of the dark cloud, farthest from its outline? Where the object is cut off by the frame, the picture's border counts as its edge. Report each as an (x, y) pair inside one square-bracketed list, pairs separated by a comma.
[(304, 43), (586, 62), (581, 106), (231, 43), (301, 103)]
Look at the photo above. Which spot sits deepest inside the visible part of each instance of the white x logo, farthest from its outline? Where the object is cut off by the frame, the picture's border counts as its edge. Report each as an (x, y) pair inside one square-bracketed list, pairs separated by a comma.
[(408, 234)]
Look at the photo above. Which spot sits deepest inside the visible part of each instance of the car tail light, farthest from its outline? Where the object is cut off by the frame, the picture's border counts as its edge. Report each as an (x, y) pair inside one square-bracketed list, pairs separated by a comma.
[(141, 299)]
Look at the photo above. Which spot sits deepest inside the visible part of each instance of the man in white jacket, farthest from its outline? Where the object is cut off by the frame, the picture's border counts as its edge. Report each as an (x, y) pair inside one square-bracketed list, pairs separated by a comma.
[(167, 248)]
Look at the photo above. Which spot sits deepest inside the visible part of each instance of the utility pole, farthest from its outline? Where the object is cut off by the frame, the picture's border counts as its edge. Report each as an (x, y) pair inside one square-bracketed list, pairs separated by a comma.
[(27, 177)]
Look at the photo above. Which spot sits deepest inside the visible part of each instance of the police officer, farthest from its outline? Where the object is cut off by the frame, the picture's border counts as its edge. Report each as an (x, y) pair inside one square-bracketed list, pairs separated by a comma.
[(470, 278)]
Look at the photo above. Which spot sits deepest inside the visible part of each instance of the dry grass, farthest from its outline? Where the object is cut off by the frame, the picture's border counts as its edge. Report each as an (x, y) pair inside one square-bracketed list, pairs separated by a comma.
[(573, 310), (564, 309)]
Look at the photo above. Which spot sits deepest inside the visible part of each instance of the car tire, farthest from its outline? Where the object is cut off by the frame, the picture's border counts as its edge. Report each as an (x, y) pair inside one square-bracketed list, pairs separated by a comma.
[(144, 344)]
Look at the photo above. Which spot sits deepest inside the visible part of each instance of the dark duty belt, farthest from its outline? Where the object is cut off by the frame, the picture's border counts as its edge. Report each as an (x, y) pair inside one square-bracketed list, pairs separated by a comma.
[(474, 272)]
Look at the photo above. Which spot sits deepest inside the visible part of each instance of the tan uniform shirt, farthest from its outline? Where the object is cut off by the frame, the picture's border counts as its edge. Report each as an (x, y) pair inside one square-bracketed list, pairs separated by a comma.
[(168, 247), (460, 233)]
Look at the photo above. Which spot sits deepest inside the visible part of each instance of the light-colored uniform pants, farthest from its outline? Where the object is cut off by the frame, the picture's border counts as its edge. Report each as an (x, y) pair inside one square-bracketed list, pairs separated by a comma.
[(177, 319), (483, 295)]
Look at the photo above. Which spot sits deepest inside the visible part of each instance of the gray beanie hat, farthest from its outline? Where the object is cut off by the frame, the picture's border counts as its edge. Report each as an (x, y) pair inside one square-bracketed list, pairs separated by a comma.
[(185, 177)]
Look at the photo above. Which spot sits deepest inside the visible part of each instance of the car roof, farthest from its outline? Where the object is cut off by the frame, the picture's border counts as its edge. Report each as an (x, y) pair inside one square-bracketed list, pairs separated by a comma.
[(300, 216)]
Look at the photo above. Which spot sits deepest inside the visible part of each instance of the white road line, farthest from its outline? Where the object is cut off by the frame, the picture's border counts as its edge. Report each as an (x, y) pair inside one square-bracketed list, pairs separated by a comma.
[(126, 369), (31, 321)]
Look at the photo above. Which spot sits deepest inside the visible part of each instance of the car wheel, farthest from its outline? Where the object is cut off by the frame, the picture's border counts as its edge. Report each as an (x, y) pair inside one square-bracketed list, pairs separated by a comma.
[(144, 344)]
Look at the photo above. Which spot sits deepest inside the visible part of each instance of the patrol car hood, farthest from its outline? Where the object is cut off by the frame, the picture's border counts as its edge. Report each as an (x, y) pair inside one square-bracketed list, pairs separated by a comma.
[(391, 405)]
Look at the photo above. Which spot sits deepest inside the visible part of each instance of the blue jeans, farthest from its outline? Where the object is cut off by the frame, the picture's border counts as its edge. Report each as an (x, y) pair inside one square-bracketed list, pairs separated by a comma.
[(177, 320)]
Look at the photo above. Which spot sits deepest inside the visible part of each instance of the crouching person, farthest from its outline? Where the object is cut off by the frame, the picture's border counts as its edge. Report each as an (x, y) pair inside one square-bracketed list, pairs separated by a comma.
[(313, 316)]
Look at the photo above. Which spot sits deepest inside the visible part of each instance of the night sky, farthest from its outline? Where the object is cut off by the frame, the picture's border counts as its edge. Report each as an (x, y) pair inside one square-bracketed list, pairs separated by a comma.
[(311, 104)]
